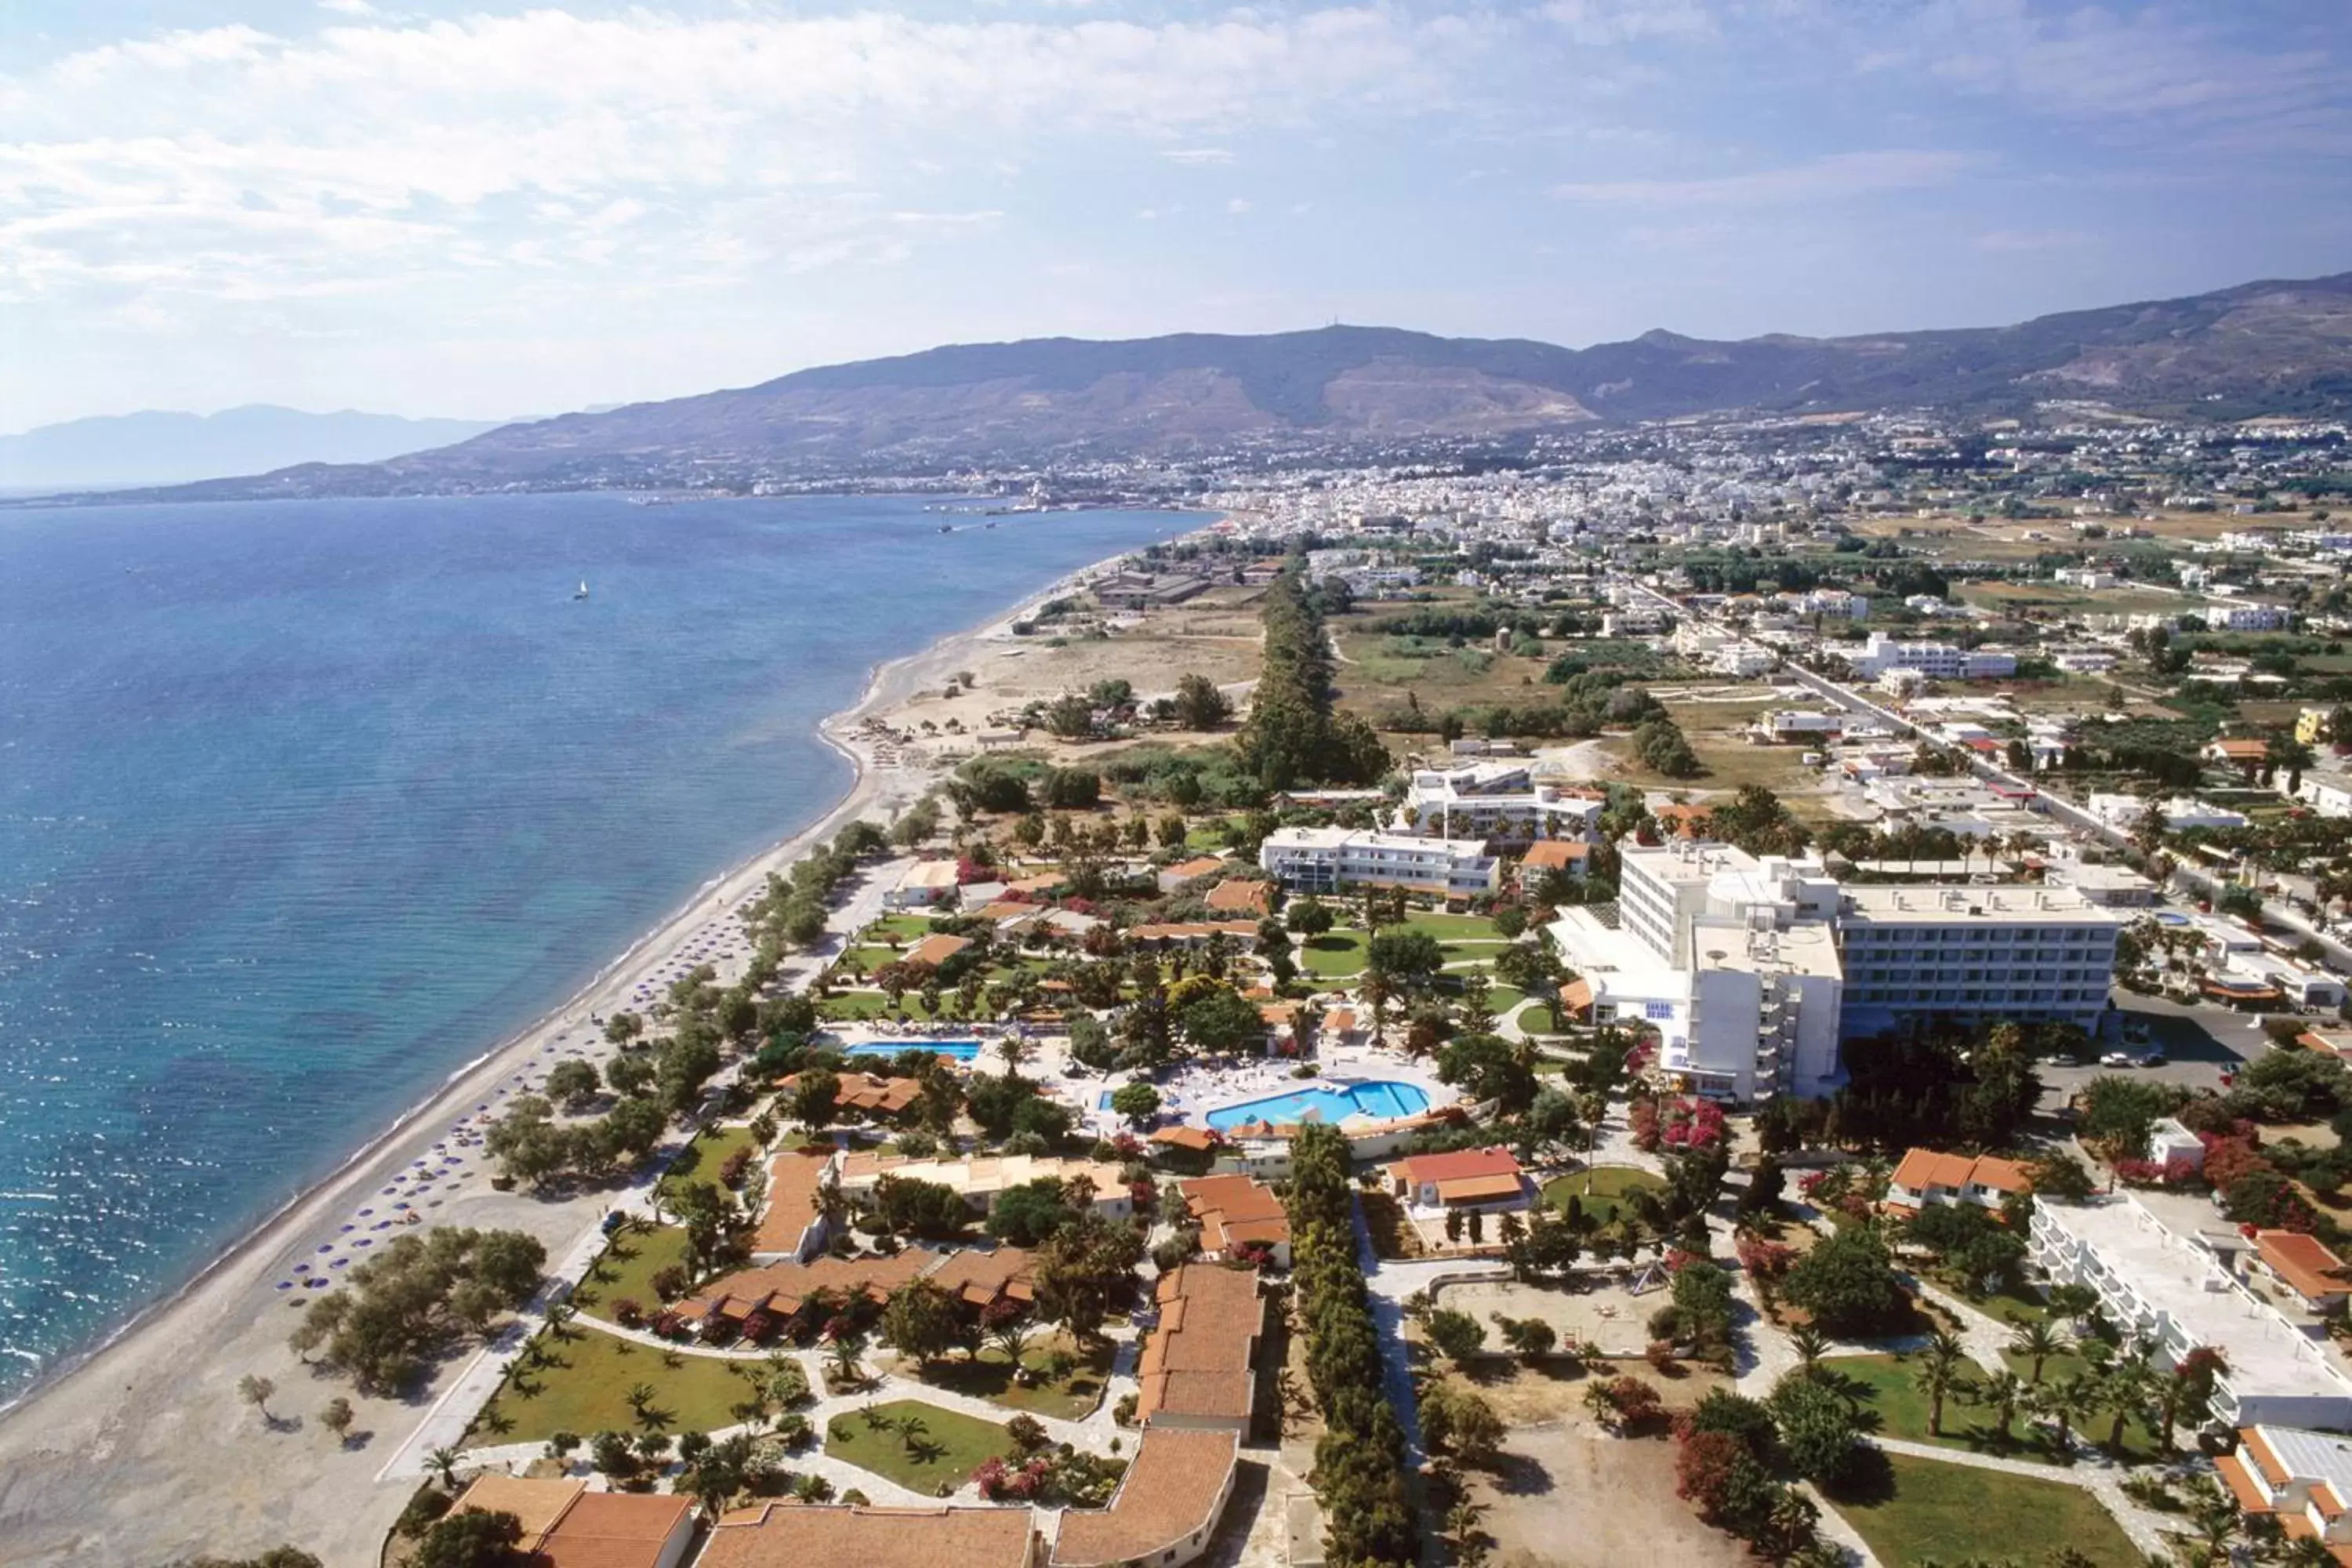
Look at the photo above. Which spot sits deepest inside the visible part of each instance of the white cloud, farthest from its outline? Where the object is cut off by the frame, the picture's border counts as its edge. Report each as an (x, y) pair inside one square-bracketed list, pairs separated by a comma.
[(1238, 206), (230, 159), (1838, 177), (349, 7), (1608, 22)]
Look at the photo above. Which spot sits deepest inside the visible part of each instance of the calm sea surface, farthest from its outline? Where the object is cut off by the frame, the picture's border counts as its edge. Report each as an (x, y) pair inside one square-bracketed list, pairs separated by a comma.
[(303, 804)]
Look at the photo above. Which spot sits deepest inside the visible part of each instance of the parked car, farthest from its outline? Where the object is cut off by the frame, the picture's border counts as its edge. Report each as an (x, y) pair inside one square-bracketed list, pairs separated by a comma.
[(2066, 1060), (2153, 1059), (2117, 1059), (2136, 1032)]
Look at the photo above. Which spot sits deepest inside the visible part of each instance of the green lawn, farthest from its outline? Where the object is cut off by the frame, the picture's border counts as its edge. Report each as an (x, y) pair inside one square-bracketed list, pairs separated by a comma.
[(586, 1390), (701, 1160), (1943, 1513), (1336, 954), (906, 928), (847, 1005), (626, 1269), (1072, 1399), (1456, 928), (1599, 1189), (951, 1446), (1885, 1382), (2140, 1445), (1503, 998)]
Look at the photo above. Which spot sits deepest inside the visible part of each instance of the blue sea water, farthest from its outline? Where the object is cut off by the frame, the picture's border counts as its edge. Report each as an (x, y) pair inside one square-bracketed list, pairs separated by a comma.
[(303, 804)]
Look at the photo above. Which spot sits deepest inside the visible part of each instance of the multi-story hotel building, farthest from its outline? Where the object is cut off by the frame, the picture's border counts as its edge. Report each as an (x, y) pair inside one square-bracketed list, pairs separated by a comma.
[(1326, 859)]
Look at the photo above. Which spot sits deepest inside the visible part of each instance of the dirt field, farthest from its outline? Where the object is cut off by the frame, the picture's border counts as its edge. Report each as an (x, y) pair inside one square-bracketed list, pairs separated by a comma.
[(1569, 1494), (1612, 1316)]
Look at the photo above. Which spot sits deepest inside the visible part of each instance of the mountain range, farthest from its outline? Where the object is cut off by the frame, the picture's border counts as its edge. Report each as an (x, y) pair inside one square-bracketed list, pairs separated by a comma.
[(156, 447), (2277, 347)]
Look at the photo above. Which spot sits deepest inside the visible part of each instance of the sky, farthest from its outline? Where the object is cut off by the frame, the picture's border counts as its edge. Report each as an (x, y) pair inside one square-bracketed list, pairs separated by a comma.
[(490, 211)]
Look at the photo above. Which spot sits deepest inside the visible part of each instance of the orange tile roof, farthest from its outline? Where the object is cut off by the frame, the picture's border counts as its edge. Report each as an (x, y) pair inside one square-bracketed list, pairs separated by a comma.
[(1554, 855), (1478, 1189), (1340, 1020), (2309, 1268), (794, 1182), (789, 1535), (1924, 1168), (1576, 995), (937, 948), (536, 1502), (1170, 1496), (615, 1529), (978, 1277), (2243, 750), (1241, 895), (2251, 1441), (1197, 1362), (781, 1288), (2250, 1494), (1185, 1137), (1419, 1170), (1232, 1209)]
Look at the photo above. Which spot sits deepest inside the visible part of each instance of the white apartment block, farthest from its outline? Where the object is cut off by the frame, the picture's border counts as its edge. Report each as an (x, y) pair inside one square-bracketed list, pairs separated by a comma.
[(1788, 726), (2175, 1291), (2033, 954), (2244, 617), (2329, 794), (1495, 800), (1935, 660), (1326, 859)]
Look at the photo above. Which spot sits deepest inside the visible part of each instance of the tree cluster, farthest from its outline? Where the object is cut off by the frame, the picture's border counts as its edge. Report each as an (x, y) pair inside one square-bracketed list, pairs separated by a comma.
[(1294, 736), (413, 1296)]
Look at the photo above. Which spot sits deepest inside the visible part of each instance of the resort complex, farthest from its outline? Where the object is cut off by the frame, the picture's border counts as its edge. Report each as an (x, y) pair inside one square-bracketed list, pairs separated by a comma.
[(1294, 1143)]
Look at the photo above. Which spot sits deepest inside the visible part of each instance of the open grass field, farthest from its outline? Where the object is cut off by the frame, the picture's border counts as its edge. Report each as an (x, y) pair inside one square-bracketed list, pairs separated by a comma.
[(1601, 1189), (585, 1385), (1887, 1384), (701, 1160), (1334, 955), (2027, 599), (1945, 1512), (1071, 1398), (945, 1452), (625, 1271)]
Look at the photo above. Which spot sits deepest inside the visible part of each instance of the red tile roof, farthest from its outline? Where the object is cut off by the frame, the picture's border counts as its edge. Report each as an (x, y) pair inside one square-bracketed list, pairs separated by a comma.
[(1168, 1498), (1419, 1170)]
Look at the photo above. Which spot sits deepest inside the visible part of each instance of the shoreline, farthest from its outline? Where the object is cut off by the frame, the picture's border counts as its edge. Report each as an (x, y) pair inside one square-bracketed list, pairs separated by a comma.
[(193, 1329)]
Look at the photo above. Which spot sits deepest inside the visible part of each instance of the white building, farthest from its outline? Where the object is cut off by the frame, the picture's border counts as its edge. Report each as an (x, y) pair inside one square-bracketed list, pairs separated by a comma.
[(1495, 800), (1984, 953), (1933, 660), (2244, 617), (1326, 859), (2175, 1291), (1795, 726), (2329, 794), (1743, 660), (2181, 812)]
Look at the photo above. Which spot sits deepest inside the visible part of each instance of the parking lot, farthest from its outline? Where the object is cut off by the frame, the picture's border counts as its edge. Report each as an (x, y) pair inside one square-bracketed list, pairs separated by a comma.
[(2199, 1043)]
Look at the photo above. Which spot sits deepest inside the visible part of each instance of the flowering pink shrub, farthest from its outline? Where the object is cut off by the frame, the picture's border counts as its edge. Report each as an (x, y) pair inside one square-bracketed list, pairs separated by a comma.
[(1765, 1259), (999, 1480)]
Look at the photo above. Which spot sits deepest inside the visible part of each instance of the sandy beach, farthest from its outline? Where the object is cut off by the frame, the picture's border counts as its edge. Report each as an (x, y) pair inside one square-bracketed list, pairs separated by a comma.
[(143, 1452)]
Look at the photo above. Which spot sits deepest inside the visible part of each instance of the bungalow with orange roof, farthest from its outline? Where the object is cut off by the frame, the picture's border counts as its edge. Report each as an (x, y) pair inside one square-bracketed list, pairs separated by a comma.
[(1241, 896), (1166, 1507), (1197, 1369), (1194, 933), (2301, 1479), (1233, 1213), (2248, 757), (1926, 1176), (2303, 1265), (937, 948), (1573, 856), (1676, 820), (981, 1179), (1487, 1179), (792, 1220), (1174, 877), (565, 1525), (1186, 1136), (1342, 1027), (869, 1094), (797, 1535)]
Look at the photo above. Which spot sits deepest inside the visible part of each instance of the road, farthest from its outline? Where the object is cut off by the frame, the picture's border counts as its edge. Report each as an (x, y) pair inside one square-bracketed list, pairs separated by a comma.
[(2195, 882)]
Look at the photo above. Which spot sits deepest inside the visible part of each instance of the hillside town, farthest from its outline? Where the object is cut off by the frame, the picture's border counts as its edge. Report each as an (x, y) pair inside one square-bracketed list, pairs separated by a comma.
[(1702, 1005)]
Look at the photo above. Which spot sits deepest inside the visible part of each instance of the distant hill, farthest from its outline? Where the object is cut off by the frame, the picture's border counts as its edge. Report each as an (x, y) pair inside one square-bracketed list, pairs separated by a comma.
[(2259, 348), (160, 449)]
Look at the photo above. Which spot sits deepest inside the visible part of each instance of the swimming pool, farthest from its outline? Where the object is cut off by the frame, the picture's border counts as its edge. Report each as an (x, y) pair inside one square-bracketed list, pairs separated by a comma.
[(1380, 1100), (962, 1050)]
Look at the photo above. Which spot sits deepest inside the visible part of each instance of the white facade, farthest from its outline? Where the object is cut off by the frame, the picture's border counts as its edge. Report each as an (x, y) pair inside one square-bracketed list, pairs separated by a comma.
[(1326, 859), (1933, 660), (2329, 794), (1496, 801), (1990, 952), (2244, 617), (2175, 1291)]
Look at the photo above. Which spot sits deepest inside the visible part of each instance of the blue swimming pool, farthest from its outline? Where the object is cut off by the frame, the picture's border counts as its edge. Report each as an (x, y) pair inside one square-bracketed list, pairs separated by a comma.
[(962, 1050), (1379, 1100)]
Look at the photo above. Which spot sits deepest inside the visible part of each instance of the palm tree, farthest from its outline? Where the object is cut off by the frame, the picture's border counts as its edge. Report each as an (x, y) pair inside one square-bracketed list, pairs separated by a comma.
[(1462, 1525), (1012, 1337), (2124, 1393), (2066, 1400), (559, 1319), (639, 1399), (1938, 1376), (1792, 1520), (442, 1465), (2038, 1341), (2003, 1392), (847, 1350), (911, 1427), (1811, 1344)]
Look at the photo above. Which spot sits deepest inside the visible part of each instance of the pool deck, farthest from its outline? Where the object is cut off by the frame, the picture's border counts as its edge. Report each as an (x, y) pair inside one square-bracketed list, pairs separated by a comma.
[(1191, 1092)]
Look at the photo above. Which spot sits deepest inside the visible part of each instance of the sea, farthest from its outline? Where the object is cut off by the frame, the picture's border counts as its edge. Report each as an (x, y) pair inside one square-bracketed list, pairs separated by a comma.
[(304, 804)]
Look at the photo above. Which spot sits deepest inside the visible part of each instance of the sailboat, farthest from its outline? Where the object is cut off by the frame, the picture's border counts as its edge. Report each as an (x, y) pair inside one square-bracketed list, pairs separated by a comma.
[(583, 589)]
